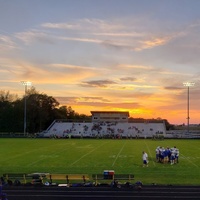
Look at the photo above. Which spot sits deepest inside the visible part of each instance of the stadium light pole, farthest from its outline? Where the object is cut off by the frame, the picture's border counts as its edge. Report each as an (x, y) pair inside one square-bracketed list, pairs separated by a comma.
[(188, 85), (25, 83)]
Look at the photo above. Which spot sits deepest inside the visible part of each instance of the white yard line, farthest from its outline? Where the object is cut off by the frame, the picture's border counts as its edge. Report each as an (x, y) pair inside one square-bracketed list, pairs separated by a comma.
[(150, 153), (43, 158), (118, 154), (189, 160), (87, 154)]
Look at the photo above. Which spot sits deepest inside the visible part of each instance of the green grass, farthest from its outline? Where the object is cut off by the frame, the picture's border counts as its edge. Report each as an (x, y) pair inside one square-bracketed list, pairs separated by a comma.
[(92, 156)]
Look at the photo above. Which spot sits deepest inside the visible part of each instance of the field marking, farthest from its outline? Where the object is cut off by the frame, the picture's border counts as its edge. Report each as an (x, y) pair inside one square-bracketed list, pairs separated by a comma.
[(27, 152), (189, 160), (122, 156), (85, 147), (149, 153), (118, 154), (86, 154), (44, 158)]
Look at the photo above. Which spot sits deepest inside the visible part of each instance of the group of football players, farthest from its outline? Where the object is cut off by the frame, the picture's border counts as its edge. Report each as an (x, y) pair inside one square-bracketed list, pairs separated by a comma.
[(167, 155)]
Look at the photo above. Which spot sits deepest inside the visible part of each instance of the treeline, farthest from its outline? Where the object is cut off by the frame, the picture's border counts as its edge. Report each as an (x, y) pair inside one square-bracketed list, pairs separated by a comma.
[(41, 110)]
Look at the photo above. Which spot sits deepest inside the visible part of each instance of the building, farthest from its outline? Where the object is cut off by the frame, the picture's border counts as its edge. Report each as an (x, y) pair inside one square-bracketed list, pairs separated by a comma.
[(110, 116), (107, 124)]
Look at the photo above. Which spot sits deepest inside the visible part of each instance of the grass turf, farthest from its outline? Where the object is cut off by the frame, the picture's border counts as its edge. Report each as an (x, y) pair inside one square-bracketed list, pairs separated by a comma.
[(93, 156)]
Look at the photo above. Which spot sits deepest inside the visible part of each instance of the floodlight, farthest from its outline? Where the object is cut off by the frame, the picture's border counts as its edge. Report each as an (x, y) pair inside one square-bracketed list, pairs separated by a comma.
[(188, 85), (25, 83), (28, 83)]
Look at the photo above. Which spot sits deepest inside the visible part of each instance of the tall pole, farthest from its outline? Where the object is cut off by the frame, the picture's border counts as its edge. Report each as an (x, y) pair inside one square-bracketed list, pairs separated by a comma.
[(188, 85), (25, 83), (188, 110), (25, 110)]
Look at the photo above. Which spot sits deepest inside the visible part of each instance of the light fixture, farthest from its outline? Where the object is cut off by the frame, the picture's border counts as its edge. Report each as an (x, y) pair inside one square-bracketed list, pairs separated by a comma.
[(188, 85), (25, 83)]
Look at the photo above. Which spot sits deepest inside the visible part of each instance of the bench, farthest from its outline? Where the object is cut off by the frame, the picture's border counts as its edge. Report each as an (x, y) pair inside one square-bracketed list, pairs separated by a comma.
[(37, 178), (67, 177), (125, 177), (128, 177), (15, 178), (40, 178), (22, 178)]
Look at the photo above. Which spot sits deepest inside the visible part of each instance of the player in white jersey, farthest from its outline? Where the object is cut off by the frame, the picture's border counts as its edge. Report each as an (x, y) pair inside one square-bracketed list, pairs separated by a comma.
[(145, 159), (176, 155), (157, 153), (173, 154)]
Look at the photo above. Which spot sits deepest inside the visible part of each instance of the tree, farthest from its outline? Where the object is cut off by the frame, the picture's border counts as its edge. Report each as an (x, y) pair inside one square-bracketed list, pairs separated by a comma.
[(41, 110), (5, 96), (168, 125), (6, 110)]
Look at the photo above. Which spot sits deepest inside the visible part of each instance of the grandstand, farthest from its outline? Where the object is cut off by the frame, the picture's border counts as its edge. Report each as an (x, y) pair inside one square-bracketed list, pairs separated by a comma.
[(182, 134), (106, 124)]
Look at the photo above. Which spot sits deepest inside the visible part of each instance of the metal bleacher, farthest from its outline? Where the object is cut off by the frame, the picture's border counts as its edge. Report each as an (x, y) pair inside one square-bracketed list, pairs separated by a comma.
[(94, 129)]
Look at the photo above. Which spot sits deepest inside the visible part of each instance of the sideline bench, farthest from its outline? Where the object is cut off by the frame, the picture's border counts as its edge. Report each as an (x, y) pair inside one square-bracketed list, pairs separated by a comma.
[(12, 177), (40, 178), (125, 177), (67, 177), (22, 178)]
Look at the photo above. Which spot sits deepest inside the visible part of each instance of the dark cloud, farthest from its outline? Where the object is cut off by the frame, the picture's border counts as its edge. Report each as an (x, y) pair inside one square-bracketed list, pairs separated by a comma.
[(114, 45), (128, 79), (81, 99), (98, 83), (120, 105), (173, 88), (95, 101)]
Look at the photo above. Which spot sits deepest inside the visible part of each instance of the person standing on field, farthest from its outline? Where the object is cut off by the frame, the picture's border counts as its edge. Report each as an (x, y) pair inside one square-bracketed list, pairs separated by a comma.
[(145, 159)]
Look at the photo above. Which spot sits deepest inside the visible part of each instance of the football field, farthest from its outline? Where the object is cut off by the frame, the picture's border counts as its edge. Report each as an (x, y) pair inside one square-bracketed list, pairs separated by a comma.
[(93, 156)]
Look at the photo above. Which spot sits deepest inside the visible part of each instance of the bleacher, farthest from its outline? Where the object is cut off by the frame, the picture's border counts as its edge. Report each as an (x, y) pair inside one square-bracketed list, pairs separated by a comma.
[(104, 129)]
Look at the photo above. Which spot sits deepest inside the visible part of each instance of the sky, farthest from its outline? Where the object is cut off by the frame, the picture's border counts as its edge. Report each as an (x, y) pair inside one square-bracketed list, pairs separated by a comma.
[(105, 55)]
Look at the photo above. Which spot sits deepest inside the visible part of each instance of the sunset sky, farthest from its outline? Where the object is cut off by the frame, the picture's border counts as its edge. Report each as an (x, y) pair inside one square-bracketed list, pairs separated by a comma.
[(105, 55)]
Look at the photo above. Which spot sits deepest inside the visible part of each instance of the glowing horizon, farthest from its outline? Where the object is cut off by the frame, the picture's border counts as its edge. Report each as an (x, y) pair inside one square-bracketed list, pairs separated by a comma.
[(105, 55)]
